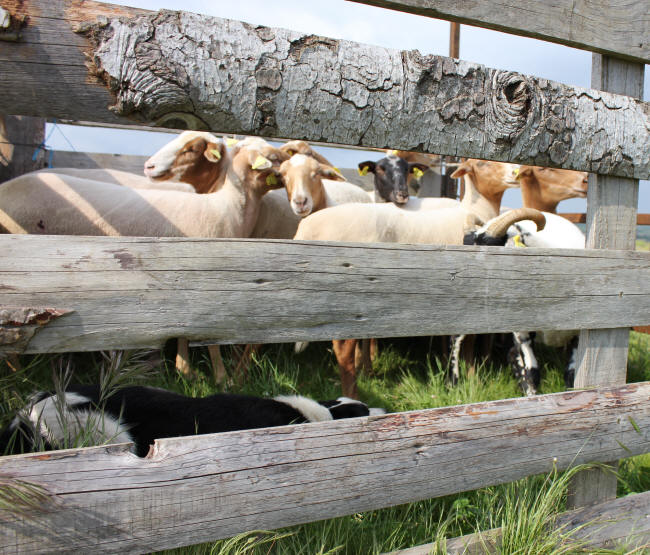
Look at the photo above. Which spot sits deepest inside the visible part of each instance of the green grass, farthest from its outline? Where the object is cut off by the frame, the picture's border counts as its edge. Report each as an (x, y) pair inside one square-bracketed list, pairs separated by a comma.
[(406, 376)]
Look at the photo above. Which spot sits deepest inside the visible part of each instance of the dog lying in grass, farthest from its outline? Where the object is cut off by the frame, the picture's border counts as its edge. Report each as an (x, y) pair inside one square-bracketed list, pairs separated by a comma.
[(83, 416)]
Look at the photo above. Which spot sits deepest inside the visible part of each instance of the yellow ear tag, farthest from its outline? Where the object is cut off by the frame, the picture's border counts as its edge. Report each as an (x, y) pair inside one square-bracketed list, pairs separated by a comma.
[(516, 172), (290, 152), (271, 179), (337, 170), (363, 171), (215, 153), (518, 241), (394, 152), (417, 173), (261, 163), (231, 142)]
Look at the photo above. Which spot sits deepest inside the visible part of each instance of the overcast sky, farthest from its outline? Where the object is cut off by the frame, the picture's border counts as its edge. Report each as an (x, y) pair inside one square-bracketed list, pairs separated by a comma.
[(367, 24)]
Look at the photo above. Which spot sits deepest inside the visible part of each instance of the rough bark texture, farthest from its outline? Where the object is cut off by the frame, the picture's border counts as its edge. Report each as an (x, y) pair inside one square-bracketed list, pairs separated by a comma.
[(137, 292), (197, 489), (183, 70), (230, 76)]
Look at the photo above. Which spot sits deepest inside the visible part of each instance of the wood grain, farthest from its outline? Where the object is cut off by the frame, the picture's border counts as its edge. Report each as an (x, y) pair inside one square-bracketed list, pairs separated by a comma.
[(20, 140), (205, 72), (609, 525), (611, 224), (620, 28), (199, 489), (137, 292)]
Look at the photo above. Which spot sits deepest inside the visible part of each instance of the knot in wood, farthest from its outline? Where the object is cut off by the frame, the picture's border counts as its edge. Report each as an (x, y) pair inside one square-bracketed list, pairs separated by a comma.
[(510, 106)]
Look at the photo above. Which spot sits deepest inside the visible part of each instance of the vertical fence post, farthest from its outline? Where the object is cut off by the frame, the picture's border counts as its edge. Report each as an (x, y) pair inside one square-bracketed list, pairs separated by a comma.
[(611, 224), (20, 137)]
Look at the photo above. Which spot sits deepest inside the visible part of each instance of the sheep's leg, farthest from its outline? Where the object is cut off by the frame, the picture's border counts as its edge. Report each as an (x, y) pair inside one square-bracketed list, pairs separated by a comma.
[(245, 360), (374, 349), (467, 353), (524, 364), (183, 357), (344, 350), (216, 361), (570, 370), (362, 358), (456, 342)]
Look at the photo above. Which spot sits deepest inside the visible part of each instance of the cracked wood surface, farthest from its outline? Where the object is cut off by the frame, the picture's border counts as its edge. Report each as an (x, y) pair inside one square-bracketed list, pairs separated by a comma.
[(181, 70), (619, 28), (137, 292), (203, 488)]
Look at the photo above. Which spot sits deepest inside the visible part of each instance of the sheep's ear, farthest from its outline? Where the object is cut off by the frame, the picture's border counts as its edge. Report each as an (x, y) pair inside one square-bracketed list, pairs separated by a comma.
[(418, 169), (274, 179), (460, 171), (330, 173), (214, 152), (524, 171), (365, 167)]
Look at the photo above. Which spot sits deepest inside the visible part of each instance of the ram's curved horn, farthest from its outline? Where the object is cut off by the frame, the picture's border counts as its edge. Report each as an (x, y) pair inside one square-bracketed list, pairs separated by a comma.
[(498, 226)]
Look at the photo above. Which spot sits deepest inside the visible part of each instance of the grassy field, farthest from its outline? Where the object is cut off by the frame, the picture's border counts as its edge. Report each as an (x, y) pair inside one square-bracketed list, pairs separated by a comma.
[(407, 375)]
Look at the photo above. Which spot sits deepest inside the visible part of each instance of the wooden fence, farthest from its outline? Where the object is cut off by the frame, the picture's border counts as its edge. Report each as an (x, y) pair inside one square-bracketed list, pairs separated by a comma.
[(72, 60)]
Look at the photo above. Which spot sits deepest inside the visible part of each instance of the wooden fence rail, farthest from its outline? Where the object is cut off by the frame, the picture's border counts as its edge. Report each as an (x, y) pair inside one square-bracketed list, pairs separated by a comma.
[(210, 73), (615, 28), (136, 292), (203, 488), (307, 87)]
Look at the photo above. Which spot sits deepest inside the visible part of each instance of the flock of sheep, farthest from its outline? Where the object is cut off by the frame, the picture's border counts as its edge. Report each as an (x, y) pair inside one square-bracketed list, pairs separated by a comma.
[(199, 185)]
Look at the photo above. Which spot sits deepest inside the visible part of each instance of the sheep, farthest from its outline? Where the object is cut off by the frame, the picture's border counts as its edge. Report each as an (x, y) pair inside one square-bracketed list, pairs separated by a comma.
[(376, 223), (70, 205), (194, 157), (392, 175), (485, 184), (543, 189), (309, 186), (302, 147), (140, 415), (118, 177)]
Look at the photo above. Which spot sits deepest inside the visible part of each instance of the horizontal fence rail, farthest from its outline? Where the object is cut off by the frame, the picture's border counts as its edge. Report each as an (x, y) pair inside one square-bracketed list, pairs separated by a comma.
[(619, 29), (204, 72), (137, 292), (622, 522), (203, 488)]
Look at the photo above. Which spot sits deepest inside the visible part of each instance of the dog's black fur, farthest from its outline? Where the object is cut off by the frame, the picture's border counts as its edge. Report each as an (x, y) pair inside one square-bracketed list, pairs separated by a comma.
[(147, 413)]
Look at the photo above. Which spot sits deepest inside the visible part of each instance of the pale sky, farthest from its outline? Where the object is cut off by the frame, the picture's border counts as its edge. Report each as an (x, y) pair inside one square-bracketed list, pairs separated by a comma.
[(371, 25)]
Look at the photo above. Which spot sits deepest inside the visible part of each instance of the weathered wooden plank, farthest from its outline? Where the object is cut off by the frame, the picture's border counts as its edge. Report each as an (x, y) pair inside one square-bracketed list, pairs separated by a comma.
[(619, 28), (20, 138), (135, 292), (93, 160), (232, 77), (621, 522), (581, 218), (198, 489), (611, 224)]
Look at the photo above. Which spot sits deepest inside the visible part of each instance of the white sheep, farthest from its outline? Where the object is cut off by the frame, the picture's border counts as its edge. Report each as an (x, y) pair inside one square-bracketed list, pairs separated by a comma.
[(376, 223)]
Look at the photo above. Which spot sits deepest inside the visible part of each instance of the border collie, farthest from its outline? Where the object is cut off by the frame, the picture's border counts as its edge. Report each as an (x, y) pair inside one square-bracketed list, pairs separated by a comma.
[(142, 414)]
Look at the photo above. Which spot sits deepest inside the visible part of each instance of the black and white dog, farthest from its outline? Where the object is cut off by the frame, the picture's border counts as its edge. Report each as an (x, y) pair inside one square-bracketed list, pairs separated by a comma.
[(142, 414)]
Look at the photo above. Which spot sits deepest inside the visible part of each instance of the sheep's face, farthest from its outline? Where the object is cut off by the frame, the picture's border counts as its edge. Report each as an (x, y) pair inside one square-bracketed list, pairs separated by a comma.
[(554, 184), (193, 157), (302, 177), (490, 178), (392, 175), (258, 168)]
